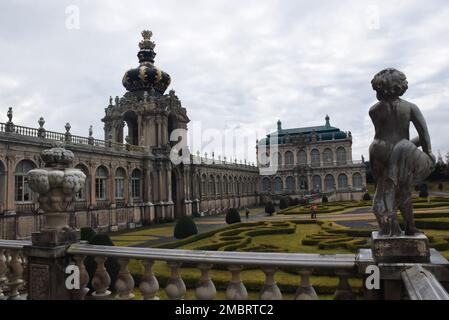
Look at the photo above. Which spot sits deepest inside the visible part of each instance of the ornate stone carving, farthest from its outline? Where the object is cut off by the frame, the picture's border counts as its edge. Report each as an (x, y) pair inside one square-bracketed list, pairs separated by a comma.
[(39, 281), (56, 185)]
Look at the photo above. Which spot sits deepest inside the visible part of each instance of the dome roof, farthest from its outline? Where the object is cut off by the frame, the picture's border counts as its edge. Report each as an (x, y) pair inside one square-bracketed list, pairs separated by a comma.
[(146, 76)]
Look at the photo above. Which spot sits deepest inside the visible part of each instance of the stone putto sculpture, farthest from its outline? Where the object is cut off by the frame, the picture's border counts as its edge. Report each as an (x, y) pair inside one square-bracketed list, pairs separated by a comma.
[(397, 162)]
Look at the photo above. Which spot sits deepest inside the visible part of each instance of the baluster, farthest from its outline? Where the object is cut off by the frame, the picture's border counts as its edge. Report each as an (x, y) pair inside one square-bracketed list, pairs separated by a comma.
[(236, 289), (344, 291), (15, 281), (101, 280), (205, 289), (270, 290), (84, 278), (149, 286), (125, 282), (305, 290), (3, 270), (176, 287)]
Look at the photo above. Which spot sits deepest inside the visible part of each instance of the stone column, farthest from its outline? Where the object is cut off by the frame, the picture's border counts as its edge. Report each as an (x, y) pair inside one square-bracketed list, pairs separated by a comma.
[(57, 183)]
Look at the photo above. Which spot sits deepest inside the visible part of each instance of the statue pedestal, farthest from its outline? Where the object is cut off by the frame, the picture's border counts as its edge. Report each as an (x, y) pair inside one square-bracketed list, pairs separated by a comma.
[(402, 249), (52, 238)]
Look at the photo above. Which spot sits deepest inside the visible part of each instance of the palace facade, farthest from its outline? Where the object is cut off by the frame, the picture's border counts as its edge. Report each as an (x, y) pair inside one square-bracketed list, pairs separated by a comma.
[(312, 160), (131, 180)]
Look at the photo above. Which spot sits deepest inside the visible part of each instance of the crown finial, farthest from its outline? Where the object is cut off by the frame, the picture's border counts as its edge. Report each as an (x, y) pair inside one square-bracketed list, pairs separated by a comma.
[(146, 43)]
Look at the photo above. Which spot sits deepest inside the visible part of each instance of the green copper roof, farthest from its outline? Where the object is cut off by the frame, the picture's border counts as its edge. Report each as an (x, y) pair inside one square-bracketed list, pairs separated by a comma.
[(324, 133)]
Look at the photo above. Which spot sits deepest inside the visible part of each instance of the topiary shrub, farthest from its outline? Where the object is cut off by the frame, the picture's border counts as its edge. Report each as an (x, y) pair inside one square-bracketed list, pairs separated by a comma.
[(233, 216), (366, 197), (440, 186), (87, 233), (269, 208), (423, 191), (283, 203), (290, 201), (184, 228), (111, 264), (324, 199)]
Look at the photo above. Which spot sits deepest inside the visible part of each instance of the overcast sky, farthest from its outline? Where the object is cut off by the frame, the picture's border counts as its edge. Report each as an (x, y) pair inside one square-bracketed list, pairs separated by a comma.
[(233, 63)]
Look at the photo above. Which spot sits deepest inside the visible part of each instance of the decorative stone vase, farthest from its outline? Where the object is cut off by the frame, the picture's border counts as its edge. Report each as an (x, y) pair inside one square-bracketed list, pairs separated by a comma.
[(56, 183)]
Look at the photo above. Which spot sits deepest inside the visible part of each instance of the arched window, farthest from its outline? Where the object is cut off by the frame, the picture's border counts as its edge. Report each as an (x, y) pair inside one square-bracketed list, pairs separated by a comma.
[(266, 184), (342, 181), (289, 161), (279, 156), (82, 194), (302, 158), (357, 181), (317, 186), (315, 158), (120, 175), (218, 181), (329, 182), (2, 186), (290, 184), (328, 156), (278, 185), (303, 185), (341, 155), (211, 186), (203, 185), (23, 192), (101, 178), (136, 184)]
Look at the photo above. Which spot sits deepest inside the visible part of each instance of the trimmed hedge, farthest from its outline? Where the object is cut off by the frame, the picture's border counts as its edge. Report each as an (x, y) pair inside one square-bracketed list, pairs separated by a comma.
[(87, 233), (233, 216), (185, 227)]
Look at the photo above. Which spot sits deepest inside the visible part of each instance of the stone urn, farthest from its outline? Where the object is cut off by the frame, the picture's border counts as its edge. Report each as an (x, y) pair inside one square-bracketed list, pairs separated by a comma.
[(57, 184)]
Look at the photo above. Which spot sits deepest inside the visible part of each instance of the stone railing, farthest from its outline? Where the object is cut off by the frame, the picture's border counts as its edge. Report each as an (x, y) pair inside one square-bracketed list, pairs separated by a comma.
[(419, 282), (12, 266), (67, 138), (195, 159), (343, 266)]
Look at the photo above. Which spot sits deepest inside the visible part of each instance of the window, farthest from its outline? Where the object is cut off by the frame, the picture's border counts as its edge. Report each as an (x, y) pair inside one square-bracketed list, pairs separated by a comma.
[(341, 155), (290, 184), (120, 175), (317, 183), (2, 185), (329, 182), (342, 181), (302, 158), (23, 192), (328, 156), (289, 158), (82, 194), (211, 186), (315, 158), (136, 185), (357, 181), (266, 184), (303, 185), (278, 185), (203, 185), (100, 183)]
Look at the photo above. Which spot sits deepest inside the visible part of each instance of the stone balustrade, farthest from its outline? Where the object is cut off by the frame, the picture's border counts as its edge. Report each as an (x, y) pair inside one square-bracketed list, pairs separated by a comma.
[(12, 266), (342, 265), (419, 282)]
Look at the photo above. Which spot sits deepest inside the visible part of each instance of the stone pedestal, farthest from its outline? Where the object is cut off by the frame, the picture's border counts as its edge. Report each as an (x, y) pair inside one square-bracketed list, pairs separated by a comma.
[(403, 249), (46, 273), (52, 238)]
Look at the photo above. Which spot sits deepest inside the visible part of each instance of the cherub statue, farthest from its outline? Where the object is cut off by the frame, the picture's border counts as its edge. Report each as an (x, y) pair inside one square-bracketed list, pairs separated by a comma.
[(397, 162)]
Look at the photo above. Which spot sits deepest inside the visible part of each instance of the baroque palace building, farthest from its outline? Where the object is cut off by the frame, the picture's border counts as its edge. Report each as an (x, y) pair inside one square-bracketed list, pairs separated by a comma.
[(312, 160), (131, 180)]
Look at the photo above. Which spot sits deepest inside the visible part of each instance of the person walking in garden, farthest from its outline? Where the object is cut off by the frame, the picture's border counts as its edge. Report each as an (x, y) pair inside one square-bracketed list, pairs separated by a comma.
[(247, 213), (313, 209)]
